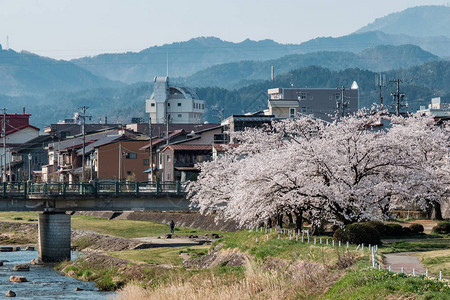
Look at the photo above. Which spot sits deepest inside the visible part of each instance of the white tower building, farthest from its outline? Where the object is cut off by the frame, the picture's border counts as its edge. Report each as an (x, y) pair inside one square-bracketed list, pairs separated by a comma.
[(180, 104)]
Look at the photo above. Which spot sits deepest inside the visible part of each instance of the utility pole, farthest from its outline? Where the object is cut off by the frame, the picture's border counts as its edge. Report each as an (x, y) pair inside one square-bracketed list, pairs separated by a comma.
[(4, 146), (341, 104), (380, 82), (151, 147), (397, 96), (84, 140), (120, 161)]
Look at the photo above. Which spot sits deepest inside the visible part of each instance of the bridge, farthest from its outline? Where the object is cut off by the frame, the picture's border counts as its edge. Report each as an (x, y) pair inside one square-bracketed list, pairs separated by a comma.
[(53, 200)]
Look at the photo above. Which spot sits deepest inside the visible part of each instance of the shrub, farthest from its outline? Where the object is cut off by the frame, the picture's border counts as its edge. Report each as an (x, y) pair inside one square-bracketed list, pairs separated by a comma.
[(358, 233), (416, 228), (394, 229), (442, 227), (378, 225)]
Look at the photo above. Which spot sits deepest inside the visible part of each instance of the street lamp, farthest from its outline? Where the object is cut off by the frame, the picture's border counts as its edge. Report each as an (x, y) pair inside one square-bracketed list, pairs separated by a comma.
[(29, 166)]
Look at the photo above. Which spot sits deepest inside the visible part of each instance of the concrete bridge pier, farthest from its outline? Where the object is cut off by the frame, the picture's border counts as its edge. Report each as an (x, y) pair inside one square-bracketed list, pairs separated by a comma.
[(54, 236)]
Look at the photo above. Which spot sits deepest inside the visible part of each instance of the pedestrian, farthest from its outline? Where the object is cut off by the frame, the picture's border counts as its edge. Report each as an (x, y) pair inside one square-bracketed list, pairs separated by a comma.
[(172, 226)]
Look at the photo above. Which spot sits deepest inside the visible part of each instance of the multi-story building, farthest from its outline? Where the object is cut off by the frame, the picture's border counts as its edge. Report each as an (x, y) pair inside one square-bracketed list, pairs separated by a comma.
[(17, 130), (322, 103), (178, 105)]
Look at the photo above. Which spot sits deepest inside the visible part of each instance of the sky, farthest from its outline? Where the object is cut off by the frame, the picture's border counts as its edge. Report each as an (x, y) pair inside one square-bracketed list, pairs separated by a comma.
[(66, 29)]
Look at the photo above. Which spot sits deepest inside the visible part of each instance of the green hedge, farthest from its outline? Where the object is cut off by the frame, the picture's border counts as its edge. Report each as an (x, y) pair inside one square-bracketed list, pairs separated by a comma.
[(358, 233)]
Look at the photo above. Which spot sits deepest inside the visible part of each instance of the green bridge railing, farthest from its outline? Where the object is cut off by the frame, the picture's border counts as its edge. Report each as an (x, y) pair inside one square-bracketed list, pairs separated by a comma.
[(96, 188)]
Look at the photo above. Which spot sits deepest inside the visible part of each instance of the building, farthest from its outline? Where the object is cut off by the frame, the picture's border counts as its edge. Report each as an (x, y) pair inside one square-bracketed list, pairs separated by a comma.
[(178, 105), (17, 130), (322, 103)]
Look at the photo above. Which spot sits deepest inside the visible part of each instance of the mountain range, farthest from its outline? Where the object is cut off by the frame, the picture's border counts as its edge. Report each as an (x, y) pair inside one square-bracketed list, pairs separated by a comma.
[(234, 76)]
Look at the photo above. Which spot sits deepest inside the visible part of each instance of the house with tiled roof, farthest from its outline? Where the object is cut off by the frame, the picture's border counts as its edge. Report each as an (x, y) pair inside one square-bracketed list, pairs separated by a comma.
[(15, 130)]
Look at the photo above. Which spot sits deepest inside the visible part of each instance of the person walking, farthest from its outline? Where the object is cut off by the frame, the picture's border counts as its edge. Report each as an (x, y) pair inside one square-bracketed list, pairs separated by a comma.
[(172, 226)]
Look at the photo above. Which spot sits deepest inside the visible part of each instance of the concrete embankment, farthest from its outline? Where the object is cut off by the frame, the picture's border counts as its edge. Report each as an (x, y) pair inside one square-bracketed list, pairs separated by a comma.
[(185, 219)]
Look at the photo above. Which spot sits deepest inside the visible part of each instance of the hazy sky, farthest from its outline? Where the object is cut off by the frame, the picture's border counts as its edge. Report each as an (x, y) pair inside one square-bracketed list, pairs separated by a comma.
[(66, 29)]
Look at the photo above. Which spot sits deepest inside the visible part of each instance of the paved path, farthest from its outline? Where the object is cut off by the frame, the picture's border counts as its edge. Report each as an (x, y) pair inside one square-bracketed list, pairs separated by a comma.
[(405, 260), (173, 242)]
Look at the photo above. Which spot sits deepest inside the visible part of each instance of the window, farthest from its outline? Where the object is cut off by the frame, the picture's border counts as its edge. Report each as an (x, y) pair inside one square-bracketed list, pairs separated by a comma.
[(338, 97), (193, 104), (302, 96), (168, 104), (168, 158), (146, 162), (131, 155), (303, 110), (179, 104), (128, 173), (292, 113), (180, 115), (152, 104), (203, 106)]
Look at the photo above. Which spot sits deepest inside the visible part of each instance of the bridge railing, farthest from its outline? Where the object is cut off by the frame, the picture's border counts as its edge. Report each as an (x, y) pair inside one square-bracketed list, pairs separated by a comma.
[(14, 188), (95, 188)]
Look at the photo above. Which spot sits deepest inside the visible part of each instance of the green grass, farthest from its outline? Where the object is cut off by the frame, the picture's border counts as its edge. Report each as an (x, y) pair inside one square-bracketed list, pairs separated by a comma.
[(416, 246), (128, 228), (158, 256), (19, 216), (285, 248), (375, 284), (436, 261)]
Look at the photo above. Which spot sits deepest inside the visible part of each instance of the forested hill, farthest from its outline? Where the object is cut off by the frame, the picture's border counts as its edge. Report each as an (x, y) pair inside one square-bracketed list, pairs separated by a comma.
[(23, 73), (380, 58), (421, 84), (120, 104), (416, 21), (185, 58)]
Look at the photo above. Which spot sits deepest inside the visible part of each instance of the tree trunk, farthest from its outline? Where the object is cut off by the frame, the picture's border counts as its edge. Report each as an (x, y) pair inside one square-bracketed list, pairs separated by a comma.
[(290, 220), (298, 220), (437, 213), (280, 220)]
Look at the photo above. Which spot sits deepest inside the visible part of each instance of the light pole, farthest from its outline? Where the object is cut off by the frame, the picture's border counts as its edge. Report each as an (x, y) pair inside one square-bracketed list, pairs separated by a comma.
[(151, 148), (29, 166)]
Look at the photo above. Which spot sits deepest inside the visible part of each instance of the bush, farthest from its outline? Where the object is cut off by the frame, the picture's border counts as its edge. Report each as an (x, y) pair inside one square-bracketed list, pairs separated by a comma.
[(378, 225), (416, 228), (442, 227), (394, 230), (358, 233)]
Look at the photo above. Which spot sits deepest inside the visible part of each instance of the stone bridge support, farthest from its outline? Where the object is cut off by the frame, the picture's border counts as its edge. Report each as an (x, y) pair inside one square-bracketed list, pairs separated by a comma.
[(54, 236)]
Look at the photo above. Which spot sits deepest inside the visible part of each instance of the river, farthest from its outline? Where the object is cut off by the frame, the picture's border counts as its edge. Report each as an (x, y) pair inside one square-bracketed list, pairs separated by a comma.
[(43, 281)]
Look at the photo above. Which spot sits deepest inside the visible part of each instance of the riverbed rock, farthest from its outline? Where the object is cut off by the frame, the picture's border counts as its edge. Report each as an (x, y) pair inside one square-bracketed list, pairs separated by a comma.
[(36, 261), (78, 289), (17, 279), (1, 264), (29, 248), (166, 236), (6, 249), (17, 248), (22, 267), (10, 293)]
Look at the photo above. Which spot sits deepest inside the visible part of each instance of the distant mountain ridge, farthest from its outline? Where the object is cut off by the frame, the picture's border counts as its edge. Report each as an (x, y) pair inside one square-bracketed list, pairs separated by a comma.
[(25, 73), (421, 21), (380, 58)]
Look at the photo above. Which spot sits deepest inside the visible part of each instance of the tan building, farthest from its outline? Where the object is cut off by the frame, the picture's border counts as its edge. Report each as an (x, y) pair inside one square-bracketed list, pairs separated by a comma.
[(122, 160)]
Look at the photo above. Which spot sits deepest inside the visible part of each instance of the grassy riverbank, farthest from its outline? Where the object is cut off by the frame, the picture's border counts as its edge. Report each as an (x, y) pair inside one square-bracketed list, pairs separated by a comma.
[(249, 265)]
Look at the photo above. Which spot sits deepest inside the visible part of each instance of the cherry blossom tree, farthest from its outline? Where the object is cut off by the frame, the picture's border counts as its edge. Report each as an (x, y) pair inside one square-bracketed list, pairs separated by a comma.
[(344, 171)]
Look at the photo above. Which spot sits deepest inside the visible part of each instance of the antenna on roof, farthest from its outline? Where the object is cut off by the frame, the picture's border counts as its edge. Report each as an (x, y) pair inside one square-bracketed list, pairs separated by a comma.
[(167, 64)]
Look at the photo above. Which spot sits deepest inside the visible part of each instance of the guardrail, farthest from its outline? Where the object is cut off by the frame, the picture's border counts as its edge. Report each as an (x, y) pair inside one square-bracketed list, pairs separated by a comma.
[(95, 188)]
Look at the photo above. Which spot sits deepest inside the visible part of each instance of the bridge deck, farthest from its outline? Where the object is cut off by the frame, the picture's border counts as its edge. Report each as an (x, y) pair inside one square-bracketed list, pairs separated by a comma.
[(115, 196)]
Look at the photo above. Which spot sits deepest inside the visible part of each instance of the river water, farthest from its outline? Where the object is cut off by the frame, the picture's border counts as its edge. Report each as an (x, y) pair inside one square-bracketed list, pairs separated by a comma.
[(43, 281)]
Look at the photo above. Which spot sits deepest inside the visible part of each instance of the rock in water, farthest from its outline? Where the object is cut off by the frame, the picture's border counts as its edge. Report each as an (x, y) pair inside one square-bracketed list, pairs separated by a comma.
[(22, 267), (17, 279), (10, 293)]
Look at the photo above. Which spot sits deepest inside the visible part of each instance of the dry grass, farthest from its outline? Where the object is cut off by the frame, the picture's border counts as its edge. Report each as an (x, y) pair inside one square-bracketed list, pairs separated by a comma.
[(297, 280), (436, 261)]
